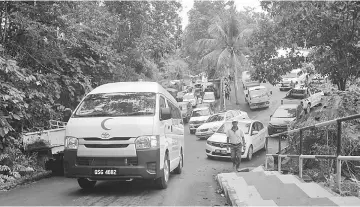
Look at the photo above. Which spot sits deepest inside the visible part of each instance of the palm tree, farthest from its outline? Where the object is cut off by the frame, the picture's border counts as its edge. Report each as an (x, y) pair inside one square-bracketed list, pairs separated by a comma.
[(226, 47)]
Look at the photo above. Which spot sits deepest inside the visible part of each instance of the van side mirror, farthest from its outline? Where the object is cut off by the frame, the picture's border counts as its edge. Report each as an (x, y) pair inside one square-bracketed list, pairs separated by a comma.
[(247, 95), (271, 92), (67, 114), (165, 113)]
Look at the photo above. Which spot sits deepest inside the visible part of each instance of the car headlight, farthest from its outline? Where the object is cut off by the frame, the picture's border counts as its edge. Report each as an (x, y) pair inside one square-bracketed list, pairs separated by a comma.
[(147, 142), (214, 129), (71, 143)]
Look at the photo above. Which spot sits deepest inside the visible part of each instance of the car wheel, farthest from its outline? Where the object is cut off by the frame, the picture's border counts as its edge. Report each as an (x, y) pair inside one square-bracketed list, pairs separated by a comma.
[(209, 157), (264, 148), (162, 182), (178, 169), (308, 108), (85, 183), (250, 153)]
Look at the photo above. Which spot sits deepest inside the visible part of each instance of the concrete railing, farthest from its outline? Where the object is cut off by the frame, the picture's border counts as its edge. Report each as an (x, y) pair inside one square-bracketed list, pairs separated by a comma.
[(301, 157)]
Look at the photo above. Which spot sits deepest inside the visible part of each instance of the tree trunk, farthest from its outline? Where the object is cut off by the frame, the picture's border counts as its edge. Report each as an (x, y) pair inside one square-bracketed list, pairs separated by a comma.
[(341, 83), (222, 100), (236, 85)]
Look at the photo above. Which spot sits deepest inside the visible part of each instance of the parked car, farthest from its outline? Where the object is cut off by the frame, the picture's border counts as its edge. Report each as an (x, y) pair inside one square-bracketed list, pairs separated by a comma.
[(190, 97), (318, 78), (180, 96), (211, 88), (209, 97), (186, 110), (255, 137), (198, 117), (215, 121), (258, 97), (308, 97), (282, 117), (297, 76)]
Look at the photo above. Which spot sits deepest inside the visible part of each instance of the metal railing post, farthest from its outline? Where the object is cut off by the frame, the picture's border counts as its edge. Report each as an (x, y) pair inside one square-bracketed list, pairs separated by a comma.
[(338, 174), (300, 166), (279, 163), (338, 153), (279, 145), (301, 142)]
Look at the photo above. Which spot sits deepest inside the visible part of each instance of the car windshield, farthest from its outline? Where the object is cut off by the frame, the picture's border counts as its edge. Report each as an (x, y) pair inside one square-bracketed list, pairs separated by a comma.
[(209, 96), (226, 126), (285, 113), (258, 92), (290, 75), (117, 104), (188, 96), (204, 112), (294, 93), (215, 118)]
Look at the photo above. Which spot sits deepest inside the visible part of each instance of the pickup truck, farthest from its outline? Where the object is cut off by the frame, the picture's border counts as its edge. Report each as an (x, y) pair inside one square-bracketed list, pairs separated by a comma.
[(307, 97)]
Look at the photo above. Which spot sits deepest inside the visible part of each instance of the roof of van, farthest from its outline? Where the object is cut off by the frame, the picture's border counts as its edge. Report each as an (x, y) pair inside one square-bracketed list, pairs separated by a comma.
[(256, 88), (133, 87), (296, 70)]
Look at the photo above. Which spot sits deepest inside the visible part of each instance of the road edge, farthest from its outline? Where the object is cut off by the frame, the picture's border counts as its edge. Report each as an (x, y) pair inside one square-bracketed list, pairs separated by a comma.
[(229, 193), (27, 179)]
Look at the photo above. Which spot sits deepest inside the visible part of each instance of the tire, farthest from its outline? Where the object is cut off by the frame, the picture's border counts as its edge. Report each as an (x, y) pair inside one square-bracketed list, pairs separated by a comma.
[(307, 110), (250, 153), (162, 182), (86, 184), (264, 148), (178, 169)]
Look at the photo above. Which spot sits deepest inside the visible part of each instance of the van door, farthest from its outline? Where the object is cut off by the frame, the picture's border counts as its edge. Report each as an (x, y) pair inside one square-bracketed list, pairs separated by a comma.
[(177, 133), (165, 126)]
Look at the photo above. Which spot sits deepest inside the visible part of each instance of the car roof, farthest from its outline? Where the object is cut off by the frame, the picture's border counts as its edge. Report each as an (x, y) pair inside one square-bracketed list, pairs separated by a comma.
[(253, 88), (246, 121), (201, 108), (209, 92), (288, 106), (151, 87)]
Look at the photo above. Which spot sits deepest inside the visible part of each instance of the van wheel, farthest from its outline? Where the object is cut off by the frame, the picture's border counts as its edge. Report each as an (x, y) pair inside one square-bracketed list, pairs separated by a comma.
[(178, 170), (85, 183), (162, 182)]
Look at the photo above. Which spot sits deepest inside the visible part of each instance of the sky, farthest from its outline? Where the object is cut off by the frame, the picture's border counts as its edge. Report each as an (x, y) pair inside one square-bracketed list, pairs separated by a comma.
[(240, 4)]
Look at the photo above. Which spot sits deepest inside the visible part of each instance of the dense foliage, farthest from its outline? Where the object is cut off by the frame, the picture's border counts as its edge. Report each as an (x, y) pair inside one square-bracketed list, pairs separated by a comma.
[(330, 28), (52, 53)]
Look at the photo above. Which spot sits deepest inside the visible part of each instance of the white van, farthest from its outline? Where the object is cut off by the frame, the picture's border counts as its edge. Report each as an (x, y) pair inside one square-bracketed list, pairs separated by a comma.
[(258, 97), (125, 131), (297, 76)]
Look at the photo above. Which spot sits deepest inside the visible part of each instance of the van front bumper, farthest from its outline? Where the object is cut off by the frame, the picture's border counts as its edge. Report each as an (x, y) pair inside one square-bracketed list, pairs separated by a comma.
[(259, 105), (147, 166)]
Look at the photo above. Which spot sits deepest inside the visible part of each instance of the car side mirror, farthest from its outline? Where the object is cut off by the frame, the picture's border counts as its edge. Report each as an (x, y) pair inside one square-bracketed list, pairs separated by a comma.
[(165, 113), (247, 95), (255, 132), (270, 116), (271, 92), (67, 114)]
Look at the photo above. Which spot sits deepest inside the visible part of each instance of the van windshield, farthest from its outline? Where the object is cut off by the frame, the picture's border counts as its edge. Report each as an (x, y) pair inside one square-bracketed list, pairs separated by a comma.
[(258, 92), (117, 104), (290, 75)]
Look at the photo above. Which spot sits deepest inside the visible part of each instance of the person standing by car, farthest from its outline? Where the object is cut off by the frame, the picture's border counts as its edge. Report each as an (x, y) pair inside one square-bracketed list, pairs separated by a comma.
[(236, 141)]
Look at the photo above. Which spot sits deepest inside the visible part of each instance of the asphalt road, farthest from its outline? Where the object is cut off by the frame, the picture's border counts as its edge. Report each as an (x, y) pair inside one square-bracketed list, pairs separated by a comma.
[(196, 186)]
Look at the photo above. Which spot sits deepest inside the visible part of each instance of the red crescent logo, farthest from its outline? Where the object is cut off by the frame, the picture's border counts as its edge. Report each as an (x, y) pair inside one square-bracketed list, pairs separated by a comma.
[(103, 124)]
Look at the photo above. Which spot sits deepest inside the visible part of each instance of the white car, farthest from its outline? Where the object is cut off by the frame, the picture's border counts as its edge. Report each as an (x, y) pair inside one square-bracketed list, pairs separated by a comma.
[(198, 117), (215, 121), (309, 97), (190, 97), (297, 76), (255, 138), (209, 97)]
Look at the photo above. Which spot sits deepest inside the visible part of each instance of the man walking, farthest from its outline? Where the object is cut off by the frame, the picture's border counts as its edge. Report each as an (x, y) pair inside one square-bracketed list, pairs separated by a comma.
[(236, 141)]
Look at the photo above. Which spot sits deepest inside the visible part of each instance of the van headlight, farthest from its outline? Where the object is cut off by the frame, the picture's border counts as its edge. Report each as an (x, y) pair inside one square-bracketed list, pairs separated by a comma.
[(71, 143), (147, 142)]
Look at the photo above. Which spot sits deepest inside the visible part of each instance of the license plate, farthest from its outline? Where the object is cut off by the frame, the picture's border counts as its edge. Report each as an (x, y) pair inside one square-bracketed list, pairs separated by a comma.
[(221, 151), (104, 171)]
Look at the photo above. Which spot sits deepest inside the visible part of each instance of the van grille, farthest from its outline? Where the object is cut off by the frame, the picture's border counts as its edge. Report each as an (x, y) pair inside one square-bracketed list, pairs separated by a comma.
[(104, 161), (111, 139), (106, 145)]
